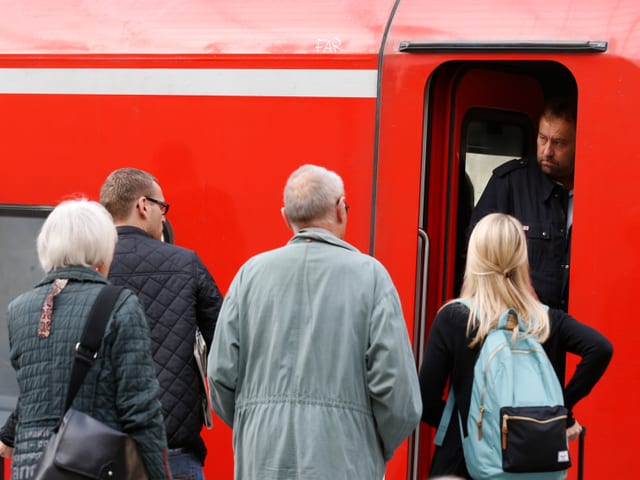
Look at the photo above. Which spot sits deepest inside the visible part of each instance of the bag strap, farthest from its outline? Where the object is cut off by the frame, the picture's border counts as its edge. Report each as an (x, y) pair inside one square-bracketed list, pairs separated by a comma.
[(451, 399), (445, 419), (87, 347)]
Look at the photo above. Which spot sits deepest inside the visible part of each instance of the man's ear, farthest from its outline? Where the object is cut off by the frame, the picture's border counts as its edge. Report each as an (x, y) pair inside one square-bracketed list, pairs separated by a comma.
[(341, 211), (141, 207), (286, 218)]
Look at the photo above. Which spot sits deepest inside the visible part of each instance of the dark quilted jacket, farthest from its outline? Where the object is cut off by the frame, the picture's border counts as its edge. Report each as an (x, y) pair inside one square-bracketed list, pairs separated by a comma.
[(178, 293), (120, 388)]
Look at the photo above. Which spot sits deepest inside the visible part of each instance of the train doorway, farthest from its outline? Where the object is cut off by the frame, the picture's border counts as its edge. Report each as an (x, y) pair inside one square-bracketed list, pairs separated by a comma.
[(478, 115)]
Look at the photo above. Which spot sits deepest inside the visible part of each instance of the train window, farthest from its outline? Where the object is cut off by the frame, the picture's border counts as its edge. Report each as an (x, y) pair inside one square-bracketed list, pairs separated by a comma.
[(490, 138), (19, 271)]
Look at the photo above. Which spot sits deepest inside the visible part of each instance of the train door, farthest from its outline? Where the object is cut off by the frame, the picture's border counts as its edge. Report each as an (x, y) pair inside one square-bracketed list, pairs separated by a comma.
[(478, 115)]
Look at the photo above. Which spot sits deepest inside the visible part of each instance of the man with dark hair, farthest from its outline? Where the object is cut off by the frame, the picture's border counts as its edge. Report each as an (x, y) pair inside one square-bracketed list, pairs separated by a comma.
[(179, 295), (538, 191)]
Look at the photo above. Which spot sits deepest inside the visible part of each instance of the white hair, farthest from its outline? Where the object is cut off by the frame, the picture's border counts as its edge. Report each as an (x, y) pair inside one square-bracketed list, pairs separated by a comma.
[(77, 232), (311, 193)]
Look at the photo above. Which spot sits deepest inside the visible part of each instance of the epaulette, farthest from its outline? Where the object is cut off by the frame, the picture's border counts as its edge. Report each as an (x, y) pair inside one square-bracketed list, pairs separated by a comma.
[(510, 166)]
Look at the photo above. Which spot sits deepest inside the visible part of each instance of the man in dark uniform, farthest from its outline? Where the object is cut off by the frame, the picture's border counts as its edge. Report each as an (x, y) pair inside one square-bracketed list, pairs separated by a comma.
[(539, 193)]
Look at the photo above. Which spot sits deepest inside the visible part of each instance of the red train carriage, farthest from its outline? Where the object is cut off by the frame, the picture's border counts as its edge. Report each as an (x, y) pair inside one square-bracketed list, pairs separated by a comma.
[(406, 99)]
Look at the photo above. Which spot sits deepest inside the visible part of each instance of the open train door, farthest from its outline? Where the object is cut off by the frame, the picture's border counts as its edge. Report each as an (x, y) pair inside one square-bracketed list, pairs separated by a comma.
[(477, 116)]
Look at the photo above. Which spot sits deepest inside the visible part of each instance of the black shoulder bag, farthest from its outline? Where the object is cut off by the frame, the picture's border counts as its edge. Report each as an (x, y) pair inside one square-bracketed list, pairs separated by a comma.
[(82, 447)]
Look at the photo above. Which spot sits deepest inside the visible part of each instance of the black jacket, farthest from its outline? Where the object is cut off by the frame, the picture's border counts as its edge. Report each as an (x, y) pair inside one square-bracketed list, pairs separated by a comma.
[(178, 293), (521, 189)]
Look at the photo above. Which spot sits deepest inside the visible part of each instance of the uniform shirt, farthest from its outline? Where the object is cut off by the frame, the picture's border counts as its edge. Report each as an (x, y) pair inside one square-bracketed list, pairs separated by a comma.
[(519, 188)]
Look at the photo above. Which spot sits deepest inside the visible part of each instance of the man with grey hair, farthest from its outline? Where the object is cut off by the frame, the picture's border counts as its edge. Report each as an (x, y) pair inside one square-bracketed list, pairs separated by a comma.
[(311, 363)]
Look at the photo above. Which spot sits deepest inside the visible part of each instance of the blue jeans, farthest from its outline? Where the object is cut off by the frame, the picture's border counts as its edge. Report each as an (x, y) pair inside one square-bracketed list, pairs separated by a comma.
[(185, 466)]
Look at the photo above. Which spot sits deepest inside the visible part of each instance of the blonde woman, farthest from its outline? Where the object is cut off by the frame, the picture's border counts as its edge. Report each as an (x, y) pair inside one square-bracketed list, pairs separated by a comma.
[(496, 279)]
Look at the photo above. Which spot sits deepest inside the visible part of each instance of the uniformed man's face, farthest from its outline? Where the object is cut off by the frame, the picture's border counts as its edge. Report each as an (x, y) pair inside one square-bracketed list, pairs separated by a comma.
[(557, 148)]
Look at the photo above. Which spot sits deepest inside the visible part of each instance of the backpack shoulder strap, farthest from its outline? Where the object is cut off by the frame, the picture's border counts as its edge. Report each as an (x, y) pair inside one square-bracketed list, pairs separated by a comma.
[(87, 347), (445, 419), (451, 399), (464, 301)]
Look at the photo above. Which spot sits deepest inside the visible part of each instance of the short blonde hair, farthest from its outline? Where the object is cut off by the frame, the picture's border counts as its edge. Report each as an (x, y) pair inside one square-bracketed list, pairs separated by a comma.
[(76, 232), (497, 278)]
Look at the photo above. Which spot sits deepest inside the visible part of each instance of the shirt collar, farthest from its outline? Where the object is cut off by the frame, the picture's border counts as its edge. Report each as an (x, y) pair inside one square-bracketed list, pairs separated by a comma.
[(131, 230)]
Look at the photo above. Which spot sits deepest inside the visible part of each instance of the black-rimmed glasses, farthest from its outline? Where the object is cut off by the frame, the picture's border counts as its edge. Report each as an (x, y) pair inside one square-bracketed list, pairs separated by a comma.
[(164, 207)]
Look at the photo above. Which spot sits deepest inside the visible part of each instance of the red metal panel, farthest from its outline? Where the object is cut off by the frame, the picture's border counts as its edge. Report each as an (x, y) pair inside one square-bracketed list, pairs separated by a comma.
[(605, 265), (193, 26), (217, 159), (222, 162)]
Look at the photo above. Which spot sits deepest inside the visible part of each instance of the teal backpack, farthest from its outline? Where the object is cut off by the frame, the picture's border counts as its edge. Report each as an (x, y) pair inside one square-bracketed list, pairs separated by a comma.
[(517, 422)]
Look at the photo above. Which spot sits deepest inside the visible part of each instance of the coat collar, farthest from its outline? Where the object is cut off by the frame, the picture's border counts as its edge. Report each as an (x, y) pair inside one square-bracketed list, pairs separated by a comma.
[(314, 234), (74, 272), (131, 230)]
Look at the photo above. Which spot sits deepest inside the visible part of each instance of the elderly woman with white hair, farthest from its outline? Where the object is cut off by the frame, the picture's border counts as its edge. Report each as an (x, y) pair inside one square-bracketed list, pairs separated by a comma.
[(75, 249)]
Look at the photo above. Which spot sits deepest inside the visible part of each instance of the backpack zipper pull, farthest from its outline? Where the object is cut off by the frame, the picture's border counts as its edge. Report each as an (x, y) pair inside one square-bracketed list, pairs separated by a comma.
[(480, 423), (504, 431)]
